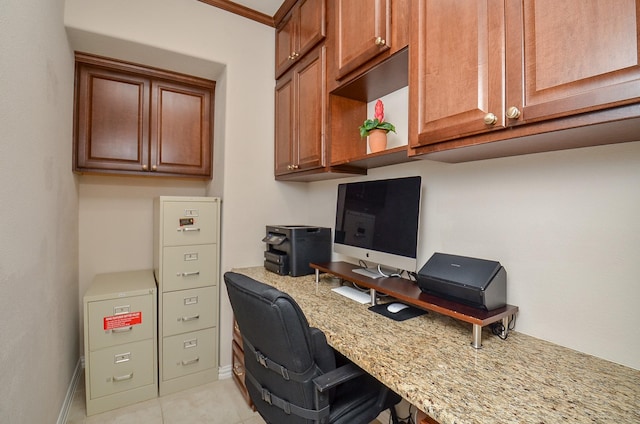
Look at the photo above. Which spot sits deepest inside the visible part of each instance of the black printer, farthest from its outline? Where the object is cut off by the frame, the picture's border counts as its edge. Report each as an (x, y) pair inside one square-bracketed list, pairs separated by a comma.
[(476, 282), (290, 248)]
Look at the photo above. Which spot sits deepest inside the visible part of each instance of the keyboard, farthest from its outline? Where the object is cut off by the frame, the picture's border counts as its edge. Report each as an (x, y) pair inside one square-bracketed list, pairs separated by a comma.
[(353, 294)]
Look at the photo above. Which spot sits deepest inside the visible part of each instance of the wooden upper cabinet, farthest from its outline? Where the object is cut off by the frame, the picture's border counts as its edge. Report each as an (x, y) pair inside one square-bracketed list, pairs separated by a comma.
[(572, 56), (284, 107), (180, 129), (112, 120), (301, 30), (478, 66), (457, 75), (300, 104), (135, 120), (362, 31)]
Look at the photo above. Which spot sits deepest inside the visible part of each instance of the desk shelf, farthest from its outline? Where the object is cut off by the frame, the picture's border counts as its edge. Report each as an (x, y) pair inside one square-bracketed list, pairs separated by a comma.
[(409, 292)]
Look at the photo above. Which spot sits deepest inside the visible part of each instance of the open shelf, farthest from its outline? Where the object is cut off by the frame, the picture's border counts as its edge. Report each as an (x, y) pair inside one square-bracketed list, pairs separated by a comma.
[(348, 109)]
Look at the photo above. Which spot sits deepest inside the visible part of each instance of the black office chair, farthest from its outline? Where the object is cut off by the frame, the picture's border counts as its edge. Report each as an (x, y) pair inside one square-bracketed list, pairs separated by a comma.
[(291, 372)]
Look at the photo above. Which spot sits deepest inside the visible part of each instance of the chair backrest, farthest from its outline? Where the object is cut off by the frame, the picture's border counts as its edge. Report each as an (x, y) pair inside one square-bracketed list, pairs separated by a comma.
[(277, 336)]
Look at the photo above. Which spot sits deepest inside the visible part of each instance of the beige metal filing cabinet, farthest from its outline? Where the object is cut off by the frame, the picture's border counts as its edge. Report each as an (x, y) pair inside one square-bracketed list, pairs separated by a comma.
[(120, 342), (186, 255)]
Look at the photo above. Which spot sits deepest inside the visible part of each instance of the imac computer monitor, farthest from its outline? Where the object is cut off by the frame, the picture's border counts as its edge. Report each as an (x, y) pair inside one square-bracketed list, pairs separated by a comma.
[(377, 222)]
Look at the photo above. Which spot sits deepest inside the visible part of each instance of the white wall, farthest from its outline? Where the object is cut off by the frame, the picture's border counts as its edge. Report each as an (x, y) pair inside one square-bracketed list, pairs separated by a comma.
[(39, 210), (564, 225)]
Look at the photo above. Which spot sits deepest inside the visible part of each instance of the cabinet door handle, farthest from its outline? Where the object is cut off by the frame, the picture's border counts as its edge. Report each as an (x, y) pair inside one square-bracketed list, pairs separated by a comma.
[(122, 329), (123, 377), (490, 119), (513, 113), (145, 167), (380, 41), (191, 361), (191, 318), (154, 168), (187, 274)]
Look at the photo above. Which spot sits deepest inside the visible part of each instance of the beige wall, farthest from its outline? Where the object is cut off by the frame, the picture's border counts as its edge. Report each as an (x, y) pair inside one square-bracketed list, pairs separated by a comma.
[(564, 225), (39, 211)]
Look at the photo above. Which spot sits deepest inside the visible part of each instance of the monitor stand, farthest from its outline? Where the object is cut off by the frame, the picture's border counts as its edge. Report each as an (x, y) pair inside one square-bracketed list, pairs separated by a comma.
[(368, 272)]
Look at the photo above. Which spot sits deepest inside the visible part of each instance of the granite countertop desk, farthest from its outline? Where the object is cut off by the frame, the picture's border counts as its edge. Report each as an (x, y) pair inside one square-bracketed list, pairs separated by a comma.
[(429, 361)]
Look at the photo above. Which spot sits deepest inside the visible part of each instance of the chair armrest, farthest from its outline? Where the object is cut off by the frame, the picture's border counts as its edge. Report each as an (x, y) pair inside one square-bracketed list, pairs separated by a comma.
[(336, 377)]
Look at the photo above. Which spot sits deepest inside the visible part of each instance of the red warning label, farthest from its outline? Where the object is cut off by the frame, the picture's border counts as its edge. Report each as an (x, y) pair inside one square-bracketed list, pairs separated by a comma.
[(122, 320)]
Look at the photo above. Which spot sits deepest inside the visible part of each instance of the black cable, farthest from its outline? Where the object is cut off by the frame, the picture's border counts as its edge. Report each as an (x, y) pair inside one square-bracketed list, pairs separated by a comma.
[(497, 328)]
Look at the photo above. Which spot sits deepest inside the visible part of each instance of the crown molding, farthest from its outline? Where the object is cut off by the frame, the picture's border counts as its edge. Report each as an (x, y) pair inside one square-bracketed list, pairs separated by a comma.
[(243, 11)]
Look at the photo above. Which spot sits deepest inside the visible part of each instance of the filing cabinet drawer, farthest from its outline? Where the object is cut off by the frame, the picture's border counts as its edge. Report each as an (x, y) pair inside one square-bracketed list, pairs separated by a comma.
[(121, 368), (237, 362), (189, 353), (187, 267), (187, 223), (189, 310), (105, 314)]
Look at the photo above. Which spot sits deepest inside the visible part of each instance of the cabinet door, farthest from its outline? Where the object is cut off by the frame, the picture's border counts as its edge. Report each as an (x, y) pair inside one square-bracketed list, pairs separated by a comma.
[(284, 104), (285, 42), (112, 120), (310, 77), (303, 28), (573, 56), (457, 71), (313, 24), (362, 32), (300, 98), (180, 129)]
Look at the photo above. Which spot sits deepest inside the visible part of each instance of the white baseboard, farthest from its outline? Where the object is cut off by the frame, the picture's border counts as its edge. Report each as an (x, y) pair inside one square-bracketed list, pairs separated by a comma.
[(224, 372), (71, 390)]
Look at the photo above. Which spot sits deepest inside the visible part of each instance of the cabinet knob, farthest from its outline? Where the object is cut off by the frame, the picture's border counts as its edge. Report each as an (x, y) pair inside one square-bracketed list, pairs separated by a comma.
[(154, 168), (145, 168), (293, 55), (490, 119), (513, 113), (380, 41)]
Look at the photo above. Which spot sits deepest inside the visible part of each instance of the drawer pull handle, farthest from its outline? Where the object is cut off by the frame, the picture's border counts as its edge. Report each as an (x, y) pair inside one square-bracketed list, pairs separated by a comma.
[(238, 370), (187, 274), (191, 361), (123, 377), (123, 329), (187, 229), (191, 318)]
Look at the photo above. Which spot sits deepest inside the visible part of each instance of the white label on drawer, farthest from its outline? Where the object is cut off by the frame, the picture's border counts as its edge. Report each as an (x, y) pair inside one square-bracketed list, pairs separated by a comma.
[(190, 343), (121, 357), (121, 309), (191, 300), (190, 256), (191, 212)]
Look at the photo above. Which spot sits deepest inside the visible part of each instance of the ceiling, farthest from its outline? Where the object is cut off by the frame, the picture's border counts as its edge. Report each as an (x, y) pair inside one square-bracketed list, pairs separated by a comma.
[(268, 7)]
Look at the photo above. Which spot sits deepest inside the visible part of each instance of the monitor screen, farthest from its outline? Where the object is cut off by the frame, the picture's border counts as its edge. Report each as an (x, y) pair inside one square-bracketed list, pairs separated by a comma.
[(377, 221)]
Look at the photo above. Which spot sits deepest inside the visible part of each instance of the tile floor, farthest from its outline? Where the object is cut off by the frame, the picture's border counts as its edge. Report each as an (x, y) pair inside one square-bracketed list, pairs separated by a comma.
[(214, 403)]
